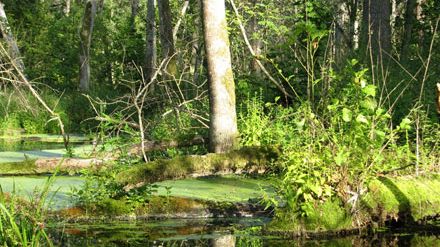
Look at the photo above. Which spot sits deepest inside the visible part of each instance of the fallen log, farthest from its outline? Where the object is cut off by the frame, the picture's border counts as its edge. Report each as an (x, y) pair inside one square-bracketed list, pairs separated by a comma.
[(244, 160)]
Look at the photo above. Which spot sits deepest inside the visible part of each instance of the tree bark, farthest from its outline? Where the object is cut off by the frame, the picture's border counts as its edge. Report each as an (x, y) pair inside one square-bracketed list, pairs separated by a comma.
[(134, 13), (223, 133), (166, 36), (86, 32), (256, 41), (67, 6), (410, 17), (376, 28), (151, 54), (7, 35)]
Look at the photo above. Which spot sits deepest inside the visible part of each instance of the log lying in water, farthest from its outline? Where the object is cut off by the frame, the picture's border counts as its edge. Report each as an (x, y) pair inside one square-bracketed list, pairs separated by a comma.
[(245, 160), (67, 164)]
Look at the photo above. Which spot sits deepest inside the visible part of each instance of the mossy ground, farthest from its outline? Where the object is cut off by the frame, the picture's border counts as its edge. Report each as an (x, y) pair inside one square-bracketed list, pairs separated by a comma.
[(403, 200)]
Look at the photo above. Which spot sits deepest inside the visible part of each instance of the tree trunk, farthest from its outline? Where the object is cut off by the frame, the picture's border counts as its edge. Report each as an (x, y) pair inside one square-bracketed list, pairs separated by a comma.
[(166, 36), (88, 24), (410, 17), (223, 133), (134, 13), (376, 29), (7, 35), (151, 55), (352, 13), (255, 40), (66, 8)]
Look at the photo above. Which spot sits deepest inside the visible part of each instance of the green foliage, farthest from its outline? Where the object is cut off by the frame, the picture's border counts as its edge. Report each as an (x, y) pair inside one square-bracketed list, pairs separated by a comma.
[(22, 223)]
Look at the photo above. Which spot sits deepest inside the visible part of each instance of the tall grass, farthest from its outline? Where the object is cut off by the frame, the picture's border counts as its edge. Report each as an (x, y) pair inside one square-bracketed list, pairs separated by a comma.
[(22, 222)]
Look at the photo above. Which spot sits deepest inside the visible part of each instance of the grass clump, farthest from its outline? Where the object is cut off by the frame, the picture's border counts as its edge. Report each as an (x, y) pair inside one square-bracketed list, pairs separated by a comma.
[(22, 223)]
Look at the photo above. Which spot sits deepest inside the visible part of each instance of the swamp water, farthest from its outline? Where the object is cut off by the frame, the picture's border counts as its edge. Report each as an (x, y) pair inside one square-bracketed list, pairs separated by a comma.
[(170, 232)]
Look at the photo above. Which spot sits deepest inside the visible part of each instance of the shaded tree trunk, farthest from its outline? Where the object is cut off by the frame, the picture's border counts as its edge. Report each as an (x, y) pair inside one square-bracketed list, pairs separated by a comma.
[(151, 54), (134, 13), (376, 29), (223, 133), (7, 35), (166, 35), (88, 24), (410, 17)]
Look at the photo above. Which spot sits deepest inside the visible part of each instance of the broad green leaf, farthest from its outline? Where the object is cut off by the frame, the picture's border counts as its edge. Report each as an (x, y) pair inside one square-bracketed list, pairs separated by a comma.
[(369, 90), (346, 115), (361, 119)]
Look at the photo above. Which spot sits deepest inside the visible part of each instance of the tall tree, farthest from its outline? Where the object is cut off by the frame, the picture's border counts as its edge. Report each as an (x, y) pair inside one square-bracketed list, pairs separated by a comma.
[(7, 35), (223, 133), (150, 65), (166, 35), (410, 18), (134, 13), (86, 32), (376, 28)]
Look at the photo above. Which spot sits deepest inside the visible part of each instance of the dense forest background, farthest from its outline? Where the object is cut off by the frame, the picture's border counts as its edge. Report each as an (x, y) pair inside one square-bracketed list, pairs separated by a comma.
[(307, 48)]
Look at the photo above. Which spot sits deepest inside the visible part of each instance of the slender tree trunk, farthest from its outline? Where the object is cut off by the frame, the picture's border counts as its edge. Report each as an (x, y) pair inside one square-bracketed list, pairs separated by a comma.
[(255, 40), (166, 35), (223, 133), (88, 24), (376, 28), (410, 17), (67, 6), (352, 12), (151, 54), (134, 13), (341, 39), (6, 32)]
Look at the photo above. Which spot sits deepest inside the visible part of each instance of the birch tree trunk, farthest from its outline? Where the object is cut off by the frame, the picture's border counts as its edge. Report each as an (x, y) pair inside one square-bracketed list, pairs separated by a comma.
[(223, 133), (6, 32), (151, 55), (86, 32)]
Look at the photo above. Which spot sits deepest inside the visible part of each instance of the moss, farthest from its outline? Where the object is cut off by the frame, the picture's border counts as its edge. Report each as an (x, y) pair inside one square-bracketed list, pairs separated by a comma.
[(403, 200), (248, 159), (158, 205), (328, 216), (114, 207)]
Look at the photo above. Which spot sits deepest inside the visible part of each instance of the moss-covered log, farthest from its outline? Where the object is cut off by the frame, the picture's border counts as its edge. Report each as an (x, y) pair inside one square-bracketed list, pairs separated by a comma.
[(403, 202), (245, 160)]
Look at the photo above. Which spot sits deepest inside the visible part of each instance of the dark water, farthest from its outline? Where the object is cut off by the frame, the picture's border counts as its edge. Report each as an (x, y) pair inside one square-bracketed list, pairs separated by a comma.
[(205, 232)]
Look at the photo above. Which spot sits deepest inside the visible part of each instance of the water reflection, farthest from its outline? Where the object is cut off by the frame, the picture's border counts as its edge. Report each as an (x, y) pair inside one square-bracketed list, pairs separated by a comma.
[(215, 233)]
